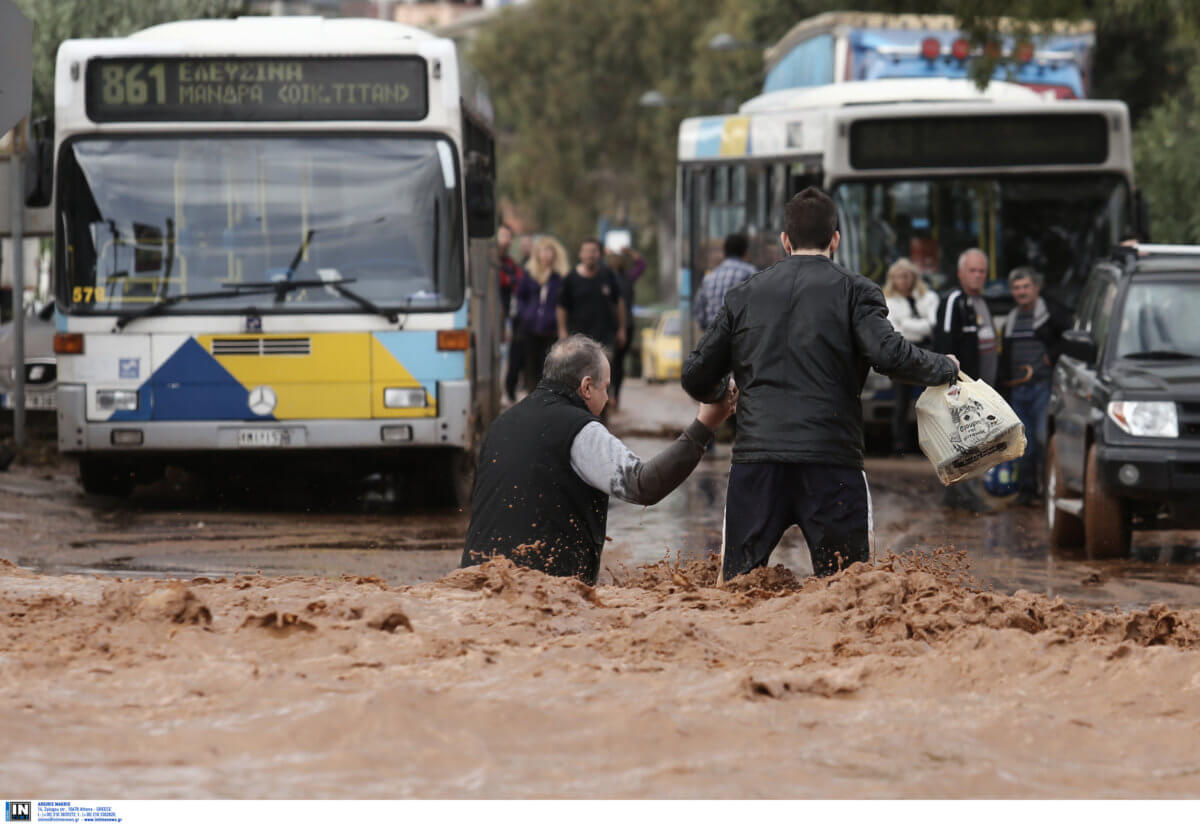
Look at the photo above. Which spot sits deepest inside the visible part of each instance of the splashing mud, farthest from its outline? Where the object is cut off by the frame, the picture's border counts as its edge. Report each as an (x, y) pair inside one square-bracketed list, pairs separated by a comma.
[(900, 679)]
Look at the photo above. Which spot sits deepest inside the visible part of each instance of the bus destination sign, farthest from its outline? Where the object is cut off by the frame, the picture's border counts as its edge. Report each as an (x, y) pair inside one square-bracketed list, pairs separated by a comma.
[(156, 89)]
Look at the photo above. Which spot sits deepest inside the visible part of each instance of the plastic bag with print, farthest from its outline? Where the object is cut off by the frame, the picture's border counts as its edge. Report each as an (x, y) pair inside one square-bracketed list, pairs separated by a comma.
[(965, 428)]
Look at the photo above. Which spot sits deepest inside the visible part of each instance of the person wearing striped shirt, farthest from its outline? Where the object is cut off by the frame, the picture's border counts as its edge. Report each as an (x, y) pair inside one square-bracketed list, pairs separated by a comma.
[(733, 271)]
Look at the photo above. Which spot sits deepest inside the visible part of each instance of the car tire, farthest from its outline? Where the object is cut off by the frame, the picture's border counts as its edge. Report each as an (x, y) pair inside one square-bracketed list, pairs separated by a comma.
[(100, 476), (1106, 526), (1066, 529)]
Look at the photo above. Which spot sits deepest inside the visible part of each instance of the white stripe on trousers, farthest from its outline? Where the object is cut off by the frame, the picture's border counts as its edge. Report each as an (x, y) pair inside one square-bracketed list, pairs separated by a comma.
[(870, 520)]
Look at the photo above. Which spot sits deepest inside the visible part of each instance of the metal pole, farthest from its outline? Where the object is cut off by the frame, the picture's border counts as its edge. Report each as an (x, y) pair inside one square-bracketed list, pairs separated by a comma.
[(16, 178)]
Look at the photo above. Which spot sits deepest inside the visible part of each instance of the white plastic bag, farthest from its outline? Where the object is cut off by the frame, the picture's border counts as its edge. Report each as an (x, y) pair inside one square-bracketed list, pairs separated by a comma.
[(965, 428)]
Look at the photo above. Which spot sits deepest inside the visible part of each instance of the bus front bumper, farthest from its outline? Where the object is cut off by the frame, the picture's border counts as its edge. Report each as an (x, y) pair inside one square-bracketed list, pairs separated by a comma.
[(450, 428)]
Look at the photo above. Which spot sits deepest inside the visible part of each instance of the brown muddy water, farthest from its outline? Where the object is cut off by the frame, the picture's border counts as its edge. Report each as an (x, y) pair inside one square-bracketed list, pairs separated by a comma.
[(360, 664), (177, 529)]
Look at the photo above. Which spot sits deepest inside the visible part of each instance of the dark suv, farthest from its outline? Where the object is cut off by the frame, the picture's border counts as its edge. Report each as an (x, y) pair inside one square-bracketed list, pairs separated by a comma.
[(1124, 427)]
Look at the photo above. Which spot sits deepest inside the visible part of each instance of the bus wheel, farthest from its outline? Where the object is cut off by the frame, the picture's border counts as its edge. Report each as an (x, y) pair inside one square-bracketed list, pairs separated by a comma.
[(454, 479), (100, 476)]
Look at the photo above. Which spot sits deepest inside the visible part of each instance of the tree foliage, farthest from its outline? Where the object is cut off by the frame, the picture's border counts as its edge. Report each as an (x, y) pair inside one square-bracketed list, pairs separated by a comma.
[(57, 20), (1167, 159), (565, 78)]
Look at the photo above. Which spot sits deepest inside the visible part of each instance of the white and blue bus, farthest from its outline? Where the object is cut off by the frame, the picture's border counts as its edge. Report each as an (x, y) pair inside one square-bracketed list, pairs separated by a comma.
[(270, 244), (923, 168)]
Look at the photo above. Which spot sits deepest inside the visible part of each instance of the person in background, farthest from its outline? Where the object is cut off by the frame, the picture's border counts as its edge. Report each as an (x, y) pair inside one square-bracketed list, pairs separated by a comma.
[(627, 266), (525, 245), (510, 274), (537, 299), (548, 466), (963, 328), (733, 271), (590, 301), (1030, 347), (912, 308)]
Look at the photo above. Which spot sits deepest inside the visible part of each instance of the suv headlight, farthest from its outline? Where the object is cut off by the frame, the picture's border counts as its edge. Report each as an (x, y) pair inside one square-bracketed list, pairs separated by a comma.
[(1149, 419)]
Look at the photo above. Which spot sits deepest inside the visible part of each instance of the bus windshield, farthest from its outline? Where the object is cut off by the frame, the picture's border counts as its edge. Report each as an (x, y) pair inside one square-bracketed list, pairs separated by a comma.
[(150, 220), (1056, 223)]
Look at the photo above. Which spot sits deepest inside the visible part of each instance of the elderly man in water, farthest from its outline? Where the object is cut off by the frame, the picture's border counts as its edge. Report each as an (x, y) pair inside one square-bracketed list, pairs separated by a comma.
[(548, 466)]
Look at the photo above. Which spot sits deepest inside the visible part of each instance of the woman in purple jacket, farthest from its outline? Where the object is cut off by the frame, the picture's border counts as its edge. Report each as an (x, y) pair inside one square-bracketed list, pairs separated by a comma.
[(537, 297)]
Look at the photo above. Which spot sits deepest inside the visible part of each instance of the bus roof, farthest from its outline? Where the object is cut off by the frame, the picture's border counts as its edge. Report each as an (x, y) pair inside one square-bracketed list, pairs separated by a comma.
[(899, 90), (915, 22), (284, 34)]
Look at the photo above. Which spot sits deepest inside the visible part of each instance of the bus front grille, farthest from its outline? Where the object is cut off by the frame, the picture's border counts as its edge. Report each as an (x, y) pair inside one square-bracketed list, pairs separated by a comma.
[(261, 346)]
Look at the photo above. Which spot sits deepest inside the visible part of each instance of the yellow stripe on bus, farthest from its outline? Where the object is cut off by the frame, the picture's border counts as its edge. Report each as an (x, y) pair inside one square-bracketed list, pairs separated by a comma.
[(735, 136)]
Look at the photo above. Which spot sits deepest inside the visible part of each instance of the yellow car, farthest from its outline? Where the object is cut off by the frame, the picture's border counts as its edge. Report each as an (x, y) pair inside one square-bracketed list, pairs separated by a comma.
[(662, 358)]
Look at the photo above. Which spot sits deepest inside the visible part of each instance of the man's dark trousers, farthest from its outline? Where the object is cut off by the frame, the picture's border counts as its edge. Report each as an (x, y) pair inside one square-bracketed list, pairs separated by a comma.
[(830, 504), (1030, 401)]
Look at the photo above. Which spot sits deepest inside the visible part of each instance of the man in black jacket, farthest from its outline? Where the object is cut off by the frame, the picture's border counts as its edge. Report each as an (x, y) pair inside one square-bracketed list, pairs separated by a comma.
[(548, 466), (963, 328), (799, 338), (963, 325)]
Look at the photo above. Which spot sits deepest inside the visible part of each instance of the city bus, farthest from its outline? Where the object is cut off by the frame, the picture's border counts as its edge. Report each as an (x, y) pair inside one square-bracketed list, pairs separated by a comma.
[(918, 168), (271, 252)]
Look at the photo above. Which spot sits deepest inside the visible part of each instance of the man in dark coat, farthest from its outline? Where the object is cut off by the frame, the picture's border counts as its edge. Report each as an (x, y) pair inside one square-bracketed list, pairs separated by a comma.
[(548, 466), (799, 338), (964, 328)]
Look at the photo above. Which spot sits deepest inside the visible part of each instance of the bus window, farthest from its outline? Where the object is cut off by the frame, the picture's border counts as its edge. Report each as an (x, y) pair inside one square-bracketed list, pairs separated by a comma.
[(1057, 224)]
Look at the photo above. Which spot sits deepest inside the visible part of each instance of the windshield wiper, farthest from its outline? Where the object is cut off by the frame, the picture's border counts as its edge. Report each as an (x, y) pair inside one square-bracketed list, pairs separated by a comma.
[(282, 287), (160, 305), (1162, 354)]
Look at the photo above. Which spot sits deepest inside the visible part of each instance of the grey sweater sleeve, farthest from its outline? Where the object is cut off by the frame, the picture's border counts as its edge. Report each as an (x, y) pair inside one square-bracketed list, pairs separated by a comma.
[(604, 462)]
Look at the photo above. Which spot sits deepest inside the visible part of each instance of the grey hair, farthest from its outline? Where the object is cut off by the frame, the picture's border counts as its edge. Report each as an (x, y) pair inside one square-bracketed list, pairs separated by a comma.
[(973, 250), (570, 361), (1026, 272)]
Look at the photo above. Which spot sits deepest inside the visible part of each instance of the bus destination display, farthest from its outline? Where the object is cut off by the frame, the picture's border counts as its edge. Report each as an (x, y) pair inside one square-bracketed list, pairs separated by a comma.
[(993, 140), (268, 89)]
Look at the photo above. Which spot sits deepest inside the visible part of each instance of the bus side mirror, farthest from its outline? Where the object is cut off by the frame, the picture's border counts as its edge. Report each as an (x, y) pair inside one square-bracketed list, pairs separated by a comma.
[(481, 206), (39, 167), (1079, 345), (1141, 216)]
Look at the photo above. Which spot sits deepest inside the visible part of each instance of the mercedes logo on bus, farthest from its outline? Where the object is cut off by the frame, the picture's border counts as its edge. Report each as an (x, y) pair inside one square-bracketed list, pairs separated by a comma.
[(262, 400)]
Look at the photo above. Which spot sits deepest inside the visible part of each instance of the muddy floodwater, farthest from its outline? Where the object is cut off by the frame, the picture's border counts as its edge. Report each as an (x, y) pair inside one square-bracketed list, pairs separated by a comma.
[(265, 643), (177, 528)]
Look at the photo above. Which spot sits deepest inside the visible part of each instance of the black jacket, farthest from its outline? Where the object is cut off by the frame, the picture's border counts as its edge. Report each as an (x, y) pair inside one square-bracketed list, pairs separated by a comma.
[(799, 338), (528, 504), (956, 331)]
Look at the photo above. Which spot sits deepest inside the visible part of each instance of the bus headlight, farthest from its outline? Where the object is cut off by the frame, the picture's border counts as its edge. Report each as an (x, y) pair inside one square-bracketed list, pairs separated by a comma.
[(396, 398), (117, 400), (1149, 419)]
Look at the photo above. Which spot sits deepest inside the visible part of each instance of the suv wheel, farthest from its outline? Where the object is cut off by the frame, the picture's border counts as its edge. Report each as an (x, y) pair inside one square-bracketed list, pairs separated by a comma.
[(1105, 516), (1066, 529)]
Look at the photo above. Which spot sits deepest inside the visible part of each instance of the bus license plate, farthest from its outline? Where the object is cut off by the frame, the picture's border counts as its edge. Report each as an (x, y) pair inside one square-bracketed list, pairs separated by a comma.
[(263, 437), (44, 400)]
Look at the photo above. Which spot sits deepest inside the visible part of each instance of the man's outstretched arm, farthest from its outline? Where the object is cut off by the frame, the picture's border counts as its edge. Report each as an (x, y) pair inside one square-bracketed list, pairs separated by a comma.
[(604, 462), (889, 352)]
